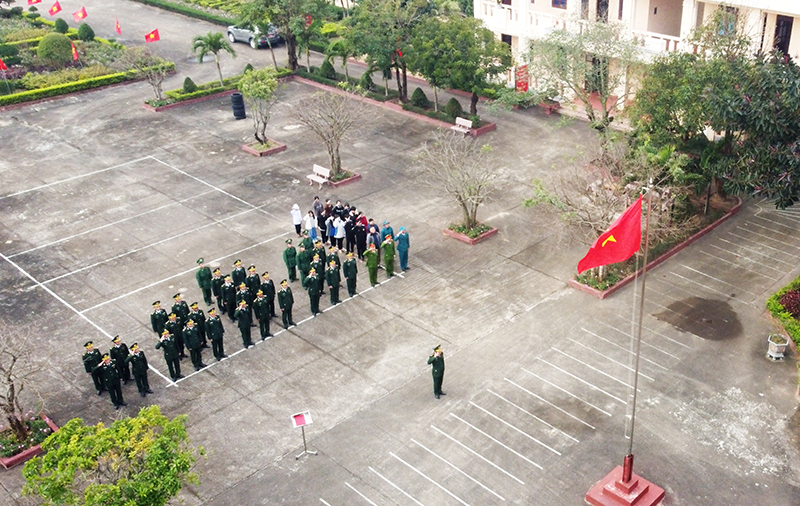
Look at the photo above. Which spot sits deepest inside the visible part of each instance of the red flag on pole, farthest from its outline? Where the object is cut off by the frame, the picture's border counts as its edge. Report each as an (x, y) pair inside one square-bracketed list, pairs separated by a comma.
[(622, 239), (117, 28), (152, 36), (55, 9), (31, 2), (3, 65), (80, 15), (74, 52)]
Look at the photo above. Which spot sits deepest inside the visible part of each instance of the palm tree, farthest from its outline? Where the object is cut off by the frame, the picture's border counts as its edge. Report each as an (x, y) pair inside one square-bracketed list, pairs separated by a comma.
[(212, 42)]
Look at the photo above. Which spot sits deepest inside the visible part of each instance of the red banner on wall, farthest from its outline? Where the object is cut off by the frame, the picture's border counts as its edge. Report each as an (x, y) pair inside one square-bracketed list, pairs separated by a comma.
[(522, 78)]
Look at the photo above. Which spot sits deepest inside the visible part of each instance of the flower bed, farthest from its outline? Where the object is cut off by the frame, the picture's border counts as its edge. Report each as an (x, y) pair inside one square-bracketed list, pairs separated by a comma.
[(470, 235), (344, 178), (13, 453), (785, 318), (190, 12), (270, 148)]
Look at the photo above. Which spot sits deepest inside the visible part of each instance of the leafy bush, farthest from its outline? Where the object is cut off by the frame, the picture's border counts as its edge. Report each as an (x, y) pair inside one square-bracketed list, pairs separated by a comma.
[(326, 70), (32, 81), (774, 306), (85, 33), (365, 82), (55, 49), (248, 68), (25, 34), (32, 8), (419, 99), (10, 446), (453, 108), (61, 26), (189, 86), (378, 92), (190, 12), (8, 51), (472, 233), (791, 302), (441, 116)]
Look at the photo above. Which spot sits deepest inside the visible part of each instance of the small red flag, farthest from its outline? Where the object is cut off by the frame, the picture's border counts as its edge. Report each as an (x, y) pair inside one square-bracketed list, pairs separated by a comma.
[(622, 239), (74, 52), (117, 28), (152, 36), (31, 2), (55, 9), (3, 65), (80, 15)]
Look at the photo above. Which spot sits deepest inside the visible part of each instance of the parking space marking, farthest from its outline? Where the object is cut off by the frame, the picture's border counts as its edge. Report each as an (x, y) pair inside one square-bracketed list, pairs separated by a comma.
[(507, 424), (323, 501), (457, 469), (629, 351), (590, 385), (777, 223), (761, 244), (631, 369), (567, 392), (462, 445), (429, 479), (523, 457), (769, 237), (756, 252), (717, 279), (384, 478), (626, 334), (360, 494), (738, 266), (792, 236), (550, 404), (761, 265), (726, 295), (532, 415)]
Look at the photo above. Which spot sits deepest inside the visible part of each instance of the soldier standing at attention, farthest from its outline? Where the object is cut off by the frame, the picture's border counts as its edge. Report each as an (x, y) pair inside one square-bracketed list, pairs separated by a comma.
[(318, 266), (388, 256), (290, 259), (215, 331), (181, 309), (253, 283), (238, 274), (244, 295), (319, 249), (303, 263), (334, 280), (306, 241), (261, 310), (286, 301), (386, 231), (167, 343), (333, 254), (402, 245), (119, 353), (371, 258), (216, 288), (199, 318), (436, 362), (203, 276), (175, 329), (107, 370), (228, 292), (312, 287), (158, 318), (191, 336), (245, 318), (91, 359), (138, 364), (350, 270), (268, 287)]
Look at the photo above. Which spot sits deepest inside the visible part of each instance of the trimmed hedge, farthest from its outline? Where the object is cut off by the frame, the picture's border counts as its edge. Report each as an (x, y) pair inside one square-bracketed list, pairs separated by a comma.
[(441, 116), (188, 11), (789, 322), (378, 93), (212, 88)]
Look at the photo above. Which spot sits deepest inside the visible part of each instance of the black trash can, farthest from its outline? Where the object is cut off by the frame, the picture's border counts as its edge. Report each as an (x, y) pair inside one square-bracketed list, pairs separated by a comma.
[(237, 102)]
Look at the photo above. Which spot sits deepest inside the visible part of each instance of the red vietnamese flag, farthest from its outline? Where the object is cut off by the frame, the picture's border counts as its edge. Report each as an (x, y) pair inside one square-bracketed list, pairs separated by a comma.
[(3, 65), (80, 15), (117, 28), (55, 9), (152, 36), (31, 2), (622, 239), (74, 52)]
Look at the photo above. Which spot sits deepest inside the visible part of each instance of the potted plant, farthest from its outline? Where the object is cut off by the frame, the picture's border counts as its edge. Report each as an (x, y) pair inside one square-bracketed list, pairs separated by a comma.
[(777, 346)]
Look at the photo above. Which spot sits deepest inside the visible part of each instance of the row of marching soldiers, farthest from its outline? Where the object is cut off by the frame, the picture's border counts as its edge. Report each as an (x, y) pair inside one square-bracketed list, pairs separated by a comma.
[(109, 369)]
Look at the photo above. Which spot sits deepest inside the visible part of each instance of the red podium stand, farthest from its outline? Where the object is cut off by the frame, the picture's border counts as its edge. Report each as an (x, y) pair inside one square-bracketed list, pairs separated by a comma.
[(612, 491)]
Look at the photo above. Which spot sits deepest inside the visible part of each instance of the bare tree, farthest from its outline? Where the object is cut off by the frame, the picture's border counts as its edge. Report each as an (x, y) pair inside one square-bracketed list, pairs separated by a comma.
[(333, 117), (459, 168), (153, 68), (17, 366)]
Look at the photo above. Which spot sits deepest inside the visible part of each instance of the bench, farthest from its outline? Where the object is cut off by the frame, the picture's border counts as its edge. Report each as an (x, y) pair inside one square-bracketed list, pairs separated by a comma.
[(462, 125), (321, 175)]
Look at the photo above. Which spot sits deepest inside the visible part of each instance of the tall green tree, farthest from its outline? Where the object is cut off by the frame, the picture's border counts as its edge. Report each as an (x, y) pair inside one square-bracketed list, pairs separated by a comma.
[(143, 461), (258, 88), (307, 29), (214, 43)]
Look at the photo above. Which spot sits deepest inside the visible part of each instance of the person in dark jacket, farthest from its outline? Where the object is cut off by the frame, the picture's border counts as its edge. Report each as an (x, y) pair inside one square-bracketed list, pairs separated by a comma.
[(119, 352), (158, 318), (268, 287), (290, 259), (216, 288), (261, 312), (436, 361), (191, 336), (107, 371), (215, 332), (91, 359), (137, 361), (228, 292), (350, 271), (334, 279), (286, 302), (238, 274), (171, 357), (245, 319)]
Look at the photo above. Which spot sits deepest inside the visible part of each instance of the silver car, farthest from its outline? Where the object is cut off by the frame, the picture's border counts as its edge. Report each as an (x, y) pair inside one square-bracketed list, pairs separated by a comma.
[(254, 37)]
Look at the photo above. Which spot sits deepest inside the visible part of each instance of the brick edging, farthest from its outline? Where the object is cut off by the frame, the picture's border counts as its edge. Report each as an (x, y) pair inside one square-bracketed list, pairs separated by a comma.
[(469, 240)]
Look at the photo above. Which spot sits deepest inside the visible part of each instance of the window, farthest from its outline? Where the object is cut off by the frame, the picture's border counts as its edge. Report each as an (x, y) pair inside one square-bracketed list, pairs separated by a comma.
[(620, 9), (560, 4)]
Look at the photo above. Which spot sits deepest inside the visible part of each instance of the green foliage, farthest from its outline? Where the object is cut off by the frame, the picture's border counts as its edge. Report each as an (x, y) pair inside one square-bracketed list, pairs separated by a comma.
[(365, 82), (188, 85), (471, 232), (259, 84), (248, 68), (326, 70), (144, 460), (38, 432), (228, 6), (214, 43), (441, 116), (378, 93), (790, 323), (453, 108), (61, 26), (419, 99), (190, 12), (31, 81), (7, 50), (55, 49), (85, 33), (25, 34)]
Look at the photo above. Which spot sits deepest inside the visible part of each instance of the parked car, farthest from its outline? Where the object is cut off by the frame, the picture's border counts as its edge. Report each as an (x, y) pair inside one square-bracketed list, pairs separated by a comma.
[(254, 37)]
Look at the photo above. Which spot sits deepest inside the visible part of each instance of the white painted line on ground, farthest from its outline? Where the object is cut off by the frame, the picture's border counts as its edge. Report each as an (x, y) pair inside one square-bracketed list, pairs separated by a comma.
[(627, 335), (777, 250), (532, 415), (303, 321), (792, 236), (323, 501), (457, 469), (726, 295), (643, 375), (756, 252), (430, 480), (759, 262), (670, 339), (593, 368), (590, 385), (738, 266), (359, 493), (523, 457), (73, 178), (738, 288), (567, 392), (627, 350), (771, 238), (395, 486), (550, 404), (540, 443), (791, 227), (462, 445)]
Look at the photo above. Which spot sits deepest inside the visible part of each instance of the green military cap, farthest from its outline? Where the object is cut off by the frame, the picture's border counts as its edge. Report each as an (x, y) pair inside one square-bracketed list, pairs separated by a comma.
[(228, 277), (312, 270), (333, 262), (288, 241), (266, 273), (305, 232), (284, 283), (200, 260), (259, 292), (106, 357), (316, 256), (190, 321), (115, 339), (251, 268), (438, 347), (237, 262), (156, 303), (242, 285), (216, 271), (88, 343), (350, 255), (193, 305), (134, 347), (176, 296), (212, 312), (165, 332), (172, 315)]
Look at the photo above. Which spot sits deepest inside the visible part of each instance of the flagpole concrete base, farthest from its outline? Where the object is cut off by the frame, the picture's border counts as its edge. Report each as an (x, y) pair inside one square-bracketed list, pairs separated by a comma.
[(612, 491)]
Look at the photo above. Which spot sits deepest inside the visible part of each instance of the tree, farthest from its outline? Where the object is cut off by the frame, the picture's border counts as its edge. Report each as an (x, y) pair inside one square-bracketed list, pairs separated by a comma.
[(17, 366), (258, 88), (343, 49), (306, 29), (143, 61), (144, 460), (459, 168), (333, 117), (457, 52), (601, 59), (214, 43)]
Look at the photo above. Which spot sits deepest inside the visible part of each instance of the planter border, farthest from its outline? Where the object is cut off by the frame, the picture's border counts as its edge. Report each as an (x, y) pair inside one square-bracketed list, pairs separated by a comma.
[(351, 179), (602, 294), (466, 239), (26, 455), (181, 103), (271, 151)]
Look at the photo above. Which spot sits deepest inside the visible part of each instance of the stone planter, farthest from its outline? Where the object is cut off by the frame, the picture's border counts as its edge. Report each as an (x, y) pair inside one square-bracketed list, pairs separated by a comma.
[(467, 239), (777, 346), (254, 150), (342, 182), (26, 455), (485, 129)]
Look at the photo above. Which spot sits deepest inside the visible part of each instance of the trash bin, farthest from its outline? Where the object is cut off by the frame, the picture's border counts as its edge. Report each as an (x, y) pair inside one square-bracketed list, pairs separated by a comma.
[(237, 102)]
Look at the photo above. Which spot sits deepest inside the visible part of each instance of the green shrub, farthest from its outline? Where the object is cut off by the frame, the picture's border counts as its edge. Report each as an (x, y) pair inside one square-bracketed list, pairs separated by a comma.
[(366, 81), (190, 12), (419, 99), (25, 34), (441, 116), (16, 11), (55, 49), (248, 68), (7, 51), (32, 81), (85, 33), (189, 86), (326, 70), (61, 26), (32, 8), (453, 108)]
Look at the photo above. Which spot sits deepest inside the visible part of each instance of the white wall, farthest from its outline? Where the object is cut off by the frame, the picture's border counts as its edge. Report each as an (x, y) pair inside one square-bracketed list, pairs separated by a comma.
[(664, 16)]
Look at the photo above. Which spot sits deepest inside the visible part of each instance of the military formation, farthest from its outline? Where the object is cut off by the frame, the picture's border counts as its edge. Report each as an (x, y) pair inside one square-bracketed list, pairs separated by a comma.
[(112, 370)]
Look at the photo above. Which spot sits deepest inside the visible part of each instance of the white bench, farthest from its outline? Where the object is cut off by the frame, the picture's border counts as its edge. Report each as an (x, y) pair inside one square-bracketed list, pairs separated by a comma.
[(321, 175), (462, 125)]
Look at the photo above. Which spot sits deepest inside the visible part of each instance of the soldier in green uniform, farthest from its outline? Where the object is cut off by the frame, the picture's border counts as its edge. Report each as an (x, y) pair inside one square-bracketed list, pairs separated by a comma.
[(238, 274), (350, 271), (228, 292), (318, 266), (215, 331), (334, 279), (107, 370), (290, 259), (388, 255), (306, 241), (171, 357), (181, 309), (333, 254), (91, 359), (253, 283), (286, 301), (303, 263), (191, 336), (216, 288), (245, 319), (436, 362), (158, 318), (261, 311), (319, 249), (203, 276), (312, 287), (371, 258), (175, 329), (119, 352), (138, 364), (199, 318), (244, 295), (268, 287)]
